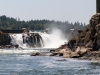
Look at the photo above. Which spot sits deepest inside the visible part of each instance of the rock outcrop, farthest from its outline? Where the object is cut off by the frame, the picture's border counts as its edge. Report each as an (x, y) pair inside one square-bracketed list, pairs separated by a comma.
[(35, 54), (86, 44), (90, 36), (33, 39)]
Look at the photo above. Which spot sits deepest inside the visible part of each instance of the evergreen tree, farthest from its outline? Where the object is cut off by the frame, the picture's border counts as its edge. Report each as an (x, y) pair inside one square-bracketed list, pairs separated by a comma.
[(11, 23)]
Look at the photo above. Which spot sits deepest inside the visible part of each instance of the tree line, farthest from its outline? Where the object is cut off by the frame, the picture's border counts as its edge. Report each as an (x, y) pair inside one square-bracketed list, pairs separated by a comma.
[(12, 23)]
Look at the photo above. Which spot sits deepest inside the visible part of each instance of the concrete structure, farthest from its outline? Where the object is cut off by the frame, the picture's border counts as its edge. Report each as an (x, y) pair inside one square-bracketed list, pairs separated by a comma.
[(97, 6), (11, 31)]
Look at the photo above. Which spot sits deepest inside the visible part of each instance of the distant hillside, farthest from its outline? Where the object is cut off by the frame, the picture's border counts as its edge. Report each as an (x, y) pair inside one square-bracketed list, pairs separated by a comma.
[(12, 23)]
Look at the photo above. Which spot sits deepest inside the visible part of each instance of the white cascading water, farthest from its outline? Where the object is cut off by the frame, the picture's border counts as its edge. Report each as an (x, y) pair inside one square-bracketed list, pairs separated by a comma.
[(17, 39), (52, 40)]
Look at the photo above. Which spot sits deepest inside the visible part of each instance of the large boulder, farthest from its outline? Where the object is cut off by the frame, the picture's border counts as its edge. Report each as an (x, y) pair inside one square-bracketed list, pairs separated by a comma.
[(74, 55), (82, 50), (25, 30), (67, 54), (70, 54), (35, 54)]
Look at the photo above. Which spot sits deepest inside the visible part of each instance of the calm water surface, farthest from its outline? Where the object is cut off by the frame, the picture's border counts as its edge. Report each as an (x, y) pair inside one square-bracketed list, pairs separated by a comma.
[(19, 64)]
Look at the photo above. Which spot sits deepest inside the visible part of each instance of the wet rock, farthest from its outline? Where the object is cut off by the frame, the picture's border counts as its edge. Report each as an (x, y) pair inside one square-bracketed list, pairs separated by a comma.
[(62, 46), (33, 39), (83, 50), (35, 54), (52, 51), (62, 51), (62, 60), (78, 49), (52, 54), (92, 55), (16, 46), (8, 46), (56, 54), (25, 30), (74, 55), (67, 54), (2, 47)]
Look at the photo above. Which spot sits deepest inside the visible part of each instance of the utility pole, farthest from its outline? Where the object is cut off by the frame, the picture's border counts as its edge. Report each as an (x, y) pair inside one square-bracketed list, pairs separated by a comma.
[(97, 6)]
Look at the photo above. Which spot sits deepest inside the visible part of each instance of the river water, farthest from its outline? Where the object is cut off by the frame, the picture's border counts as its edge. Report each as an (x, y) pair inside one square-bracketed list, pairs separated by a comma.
[(19, 62)]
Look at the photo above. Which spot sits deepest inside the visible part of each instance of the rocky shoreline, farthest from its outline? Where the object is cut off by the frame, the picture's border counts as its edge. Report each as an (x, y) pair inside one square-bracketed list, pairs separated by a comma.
[(80, 53), (86, 44)]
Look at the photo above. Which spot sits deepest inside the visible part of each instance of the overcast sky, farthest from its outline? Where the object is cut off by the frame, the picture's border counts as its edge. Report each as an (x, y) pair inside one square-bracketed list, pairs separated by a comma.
[(58, 10)]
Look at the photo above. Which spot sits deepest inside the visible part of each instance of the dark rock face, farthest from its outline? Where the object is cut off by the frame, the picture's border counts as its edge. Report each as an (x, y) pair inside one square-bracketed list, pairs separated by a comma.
[(33, 39), (16, 46), (92, 55), (90, 36), (4, 39), (86, 44)]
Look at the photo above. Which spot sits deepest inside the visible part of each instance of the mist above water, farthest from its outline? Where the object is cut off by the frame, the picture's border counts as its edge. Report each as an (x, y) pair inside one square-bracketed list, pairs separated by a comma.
[(54, 39)]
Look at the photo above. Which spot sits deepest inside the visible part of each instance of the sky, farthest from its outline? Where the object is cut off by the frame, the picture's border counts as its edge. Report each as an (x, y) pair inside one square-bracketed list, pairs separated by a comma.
[(58, 10)]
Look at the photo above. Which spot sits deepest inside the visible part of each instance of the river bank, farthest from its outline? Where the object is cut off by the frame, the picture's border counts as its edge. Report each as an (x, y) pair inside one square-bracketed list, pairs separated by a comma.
[(80, 53), (86, 44)]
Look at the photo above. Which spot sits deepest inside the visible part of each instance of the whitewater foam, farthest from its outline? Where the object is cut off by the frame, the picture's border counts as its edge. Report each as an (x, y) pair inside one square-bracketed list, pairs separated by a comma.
[(54, 39)]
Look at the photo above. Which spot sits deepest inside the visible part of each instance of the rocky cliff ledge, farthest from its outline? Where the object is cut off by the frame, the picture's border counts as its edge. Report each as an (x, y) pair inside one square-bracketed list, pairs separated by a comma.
[(86, 44)]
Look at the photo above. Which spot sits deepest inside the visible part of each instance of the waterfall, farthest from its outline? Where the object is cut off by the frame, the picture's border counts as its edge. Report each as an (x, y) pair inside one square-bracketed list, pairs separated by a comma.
[(54, 39), (16, 39), (26, 40), (39, 39)]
